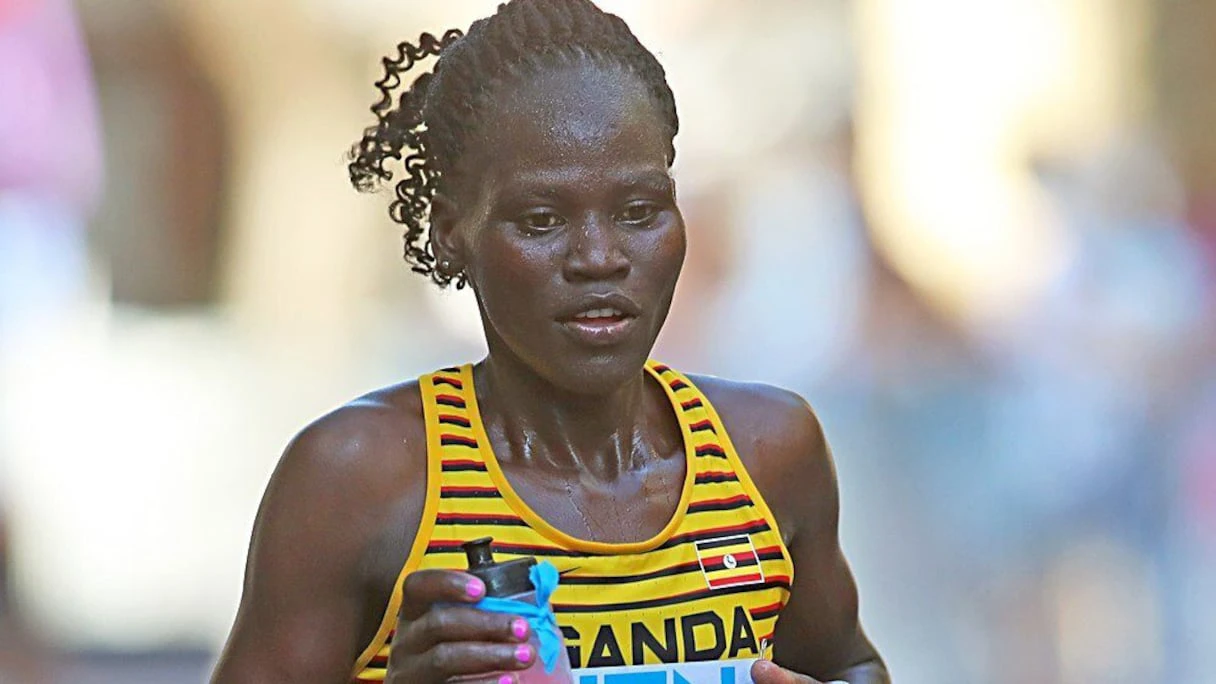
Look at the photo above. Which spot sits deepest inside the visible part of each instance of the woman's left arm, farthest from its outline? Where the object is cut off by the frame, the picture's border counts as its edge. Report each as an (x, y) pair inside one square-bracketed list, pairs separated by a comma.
[(819, 632), (819, 636)]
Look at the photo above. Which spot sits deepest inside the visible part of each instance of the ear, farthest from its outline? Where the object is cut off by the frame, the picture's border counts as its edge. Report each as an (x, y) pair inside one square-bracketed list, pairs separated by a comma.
[(447, 241)]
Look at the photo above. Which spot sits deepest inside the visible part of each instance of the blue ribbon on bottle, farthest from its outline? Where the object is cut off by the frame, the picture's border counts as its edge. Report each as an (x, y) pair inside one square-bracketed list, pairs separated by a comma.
[(540, 616)]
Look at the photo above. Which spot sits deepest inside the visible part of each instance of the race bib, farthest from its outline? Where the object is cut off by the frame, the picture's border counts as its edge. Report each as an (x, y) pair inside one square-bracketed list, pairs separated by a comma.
[(715, 672)]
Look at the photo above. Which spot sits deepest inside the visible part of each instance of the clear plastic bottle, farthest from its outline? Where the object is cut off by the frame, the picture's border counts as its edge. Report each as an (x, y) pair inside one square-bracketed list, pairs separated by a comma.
[(511, 580)]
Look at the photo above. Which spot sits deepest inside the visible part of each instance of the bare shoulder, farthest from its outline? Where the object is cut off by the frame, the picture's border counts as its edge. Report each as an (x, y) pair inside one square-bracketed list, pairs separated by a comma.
[(782, 445), (343, 502), (779, 418), (354, 482), (362, 451)]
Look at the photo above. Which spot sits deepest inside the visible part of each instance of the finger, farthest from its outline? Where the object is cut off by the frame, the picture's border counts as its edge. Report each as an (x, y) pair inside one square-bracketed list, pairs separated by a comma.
[(768, 672), (424, 588), (459, 623), (455, 658), (493, 679)]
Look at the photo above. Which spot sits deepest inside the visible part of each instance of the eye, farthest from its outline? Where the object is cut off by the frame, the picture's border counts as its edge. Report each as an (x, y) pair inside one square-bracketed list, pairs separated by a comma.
[(541, 220), (638, 213)]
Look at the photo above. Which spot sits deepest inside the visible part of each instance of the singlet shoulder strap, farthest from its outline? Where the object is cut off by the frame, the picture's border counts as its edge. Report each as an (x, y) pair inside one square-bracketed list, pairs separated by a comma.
[(692, 411), (450, 423), (715, 453), (439, 393)]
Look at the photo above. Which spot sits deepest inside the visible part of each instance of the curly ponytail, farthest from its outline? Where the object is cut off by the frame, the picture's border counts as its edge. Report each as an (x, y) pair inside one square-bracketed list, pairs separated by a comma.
[(399, 128)]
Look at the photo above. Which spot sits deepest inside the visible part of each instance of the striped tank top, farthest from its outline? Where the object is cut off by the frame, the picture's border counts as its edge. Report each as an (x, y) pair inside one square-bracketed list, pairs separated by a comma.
[(696, 603)]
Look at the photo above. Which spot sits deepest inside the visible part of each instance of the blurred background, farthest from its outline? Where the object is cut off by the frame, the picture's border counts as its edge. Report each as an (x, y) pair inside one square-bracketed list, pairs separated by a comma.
[(979, 236)]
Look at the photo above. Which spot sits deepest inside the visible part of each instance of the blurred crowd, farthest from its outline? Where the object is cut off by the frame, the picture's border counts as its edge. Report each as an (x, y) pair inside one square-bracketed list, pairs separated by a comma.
[(1004, 313)]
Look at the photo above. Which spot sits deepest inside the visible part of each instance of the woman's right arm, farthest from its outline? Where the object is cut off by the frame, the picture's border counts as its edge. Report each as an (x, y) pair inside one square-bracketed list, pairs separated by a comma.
[(333, 531), (348, 489)]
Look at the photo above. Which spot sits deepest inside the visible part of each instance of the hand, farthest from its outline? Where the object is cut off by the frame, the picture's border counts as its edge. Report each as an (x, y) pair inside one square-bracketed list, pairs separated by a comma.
[(434, 643), (768, 672)]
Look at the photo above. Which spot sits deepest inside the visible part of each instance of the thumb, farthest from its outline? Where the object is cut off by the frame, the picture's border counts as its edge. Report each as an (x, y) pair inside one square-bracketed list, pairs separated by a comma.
[(768, 672)]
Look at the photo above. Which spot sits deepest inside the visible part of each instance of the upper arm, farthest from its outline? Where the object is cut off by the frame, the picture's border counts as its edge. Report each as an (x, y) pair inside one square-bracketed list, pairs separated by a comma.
[(332, 499), (782, 444)]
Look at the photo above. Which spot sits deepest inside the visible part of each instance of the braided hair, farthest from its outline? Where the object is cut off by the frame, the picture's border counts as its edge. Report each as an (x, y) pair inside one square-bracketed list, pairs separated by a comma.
[(427, 125)]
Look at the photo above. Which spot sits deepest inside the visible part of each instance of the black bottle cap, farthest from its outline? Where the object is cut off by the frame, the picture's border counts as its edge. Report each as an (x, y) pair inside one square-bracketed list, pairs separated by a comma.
[(501, 579)]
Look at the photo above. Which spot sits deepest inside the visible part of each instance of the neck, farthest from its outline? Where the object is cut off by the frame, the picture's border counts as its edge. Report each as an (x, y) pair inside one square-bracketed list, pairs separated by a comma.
[(549, 427)]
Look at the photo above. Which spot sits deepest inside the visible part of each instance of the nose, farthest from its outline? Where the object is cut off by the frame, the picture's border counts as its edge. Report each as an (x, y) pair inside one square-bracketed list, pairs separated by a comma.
[(594, 252)]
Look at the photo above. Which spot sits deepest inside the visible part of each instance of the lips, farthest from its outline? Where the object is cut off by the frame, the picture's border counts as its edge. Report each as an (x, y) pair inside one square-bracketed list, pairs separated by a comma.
[(590, 303), (600, 319)]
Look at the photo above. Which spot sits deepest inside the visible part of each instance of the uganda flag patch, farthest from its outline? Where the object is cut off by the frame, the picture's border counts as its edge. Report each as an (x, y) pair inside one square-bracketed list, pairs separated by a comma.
[(729, 561)]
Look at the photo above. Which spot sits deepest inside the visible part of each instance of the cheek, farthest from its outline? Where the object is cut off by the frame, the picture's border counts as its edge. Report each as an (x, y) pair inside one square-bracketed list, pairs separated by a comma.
[(663, 252), (507, 269), (497, 257)]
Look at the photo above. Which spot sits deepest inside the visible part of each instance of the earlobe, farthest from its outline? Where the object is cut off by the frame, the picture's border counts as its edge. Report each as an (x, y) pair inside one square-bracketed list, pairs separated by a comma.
[(447, 243)]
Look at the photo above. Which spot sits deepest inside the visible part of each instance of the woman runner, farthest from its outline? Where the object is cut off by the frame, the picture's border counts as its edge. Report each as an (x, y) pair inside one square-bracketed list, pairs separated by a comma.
[(693, 519)]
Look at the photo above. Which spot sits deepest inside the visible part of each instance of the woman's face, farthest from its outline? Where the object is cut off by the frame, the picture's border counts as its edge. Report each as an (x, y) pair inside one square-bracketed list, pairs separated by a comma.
[(568, 227)]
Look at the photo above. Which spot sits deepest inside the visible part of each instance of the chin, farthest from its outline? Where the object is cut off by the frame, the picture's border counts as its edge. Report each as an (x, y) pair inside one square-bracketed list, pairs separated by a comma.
[(604, 373), (573, 365), (593, 372)]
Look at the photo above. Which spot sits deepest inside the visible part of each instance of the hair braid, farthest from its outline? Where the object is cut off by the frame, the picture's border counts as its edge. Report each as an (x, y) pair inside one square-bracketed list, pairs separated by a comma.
[(427, 127)]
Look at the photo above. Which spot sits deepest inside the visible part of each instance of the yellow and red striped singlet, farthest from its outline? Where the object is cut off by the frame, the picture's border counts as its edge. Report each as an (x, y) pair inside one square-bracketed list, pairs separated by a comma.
[(697, 602)]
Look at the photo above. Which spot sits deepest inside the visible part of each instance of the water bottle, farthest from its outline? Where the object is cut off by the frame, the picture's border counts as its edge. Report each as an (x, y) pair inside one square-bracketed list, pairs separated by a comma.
[(522, 587)]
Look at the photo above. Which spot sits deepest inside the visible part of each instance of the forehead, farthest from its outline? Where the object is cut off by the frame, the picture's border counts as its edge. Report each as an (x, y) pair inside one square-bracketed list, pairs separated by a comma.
[(577, 115)]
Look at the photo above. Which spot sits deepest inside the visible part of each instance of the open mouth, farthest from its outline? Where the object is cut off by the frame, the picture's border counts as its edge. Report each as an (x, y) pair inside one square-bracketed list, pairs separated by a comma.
[(607, 315), (600, 326)]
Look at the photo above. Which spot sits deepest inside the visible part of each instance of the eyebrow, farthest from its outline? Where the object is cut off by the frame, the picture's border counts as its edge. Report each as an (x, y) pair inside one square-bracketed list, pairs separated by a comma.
[(658, 180)]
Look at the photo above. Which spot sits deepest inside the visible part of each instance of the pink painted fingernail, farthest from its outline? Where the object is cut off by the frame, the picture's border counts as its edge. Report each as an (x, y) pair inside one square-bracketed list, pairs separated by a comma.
[(475, 588), (519, 628), (505, 679), (523, 654)]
